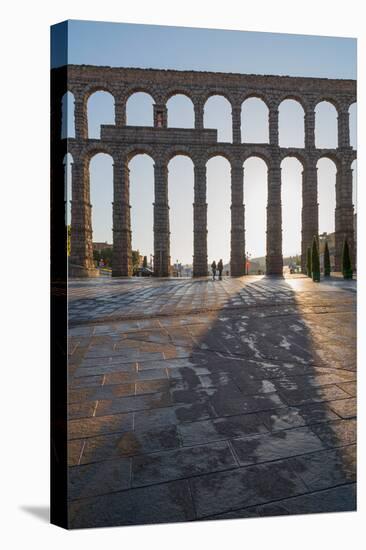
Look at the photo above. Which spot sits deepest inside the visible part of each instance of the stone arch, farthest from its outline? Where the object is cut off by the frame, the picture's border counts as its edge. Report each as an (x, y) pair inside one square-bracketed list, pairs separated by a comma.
[(217, 92), (140, 90), (88, 91), (180, 111), (179, 91), (252, 94), (218, 116), (255, 201), (133, 151), (218, 152), (94, 149), (218, 172), (140, 108), (258, 154), (327, 99), (100, 110), (293, 97), (292, 168), (291, 108), (295, 154), (326, 123), (179, 150), (254, 120), (68, 115), (330, 156)]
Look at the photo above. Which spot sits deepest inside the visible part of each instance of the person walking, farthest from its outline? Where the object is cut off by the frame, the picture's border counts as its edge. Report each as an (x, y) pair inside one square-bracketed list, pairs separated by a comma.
[(213, 267), (220, 267)]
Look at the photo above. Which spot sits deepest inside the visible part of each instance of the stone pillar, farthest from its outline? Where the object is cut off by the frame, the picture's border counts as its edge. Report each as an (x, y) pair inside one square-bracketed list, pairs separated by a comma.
[(274, 261), (161, 222), (160, 115), (198, 114), (236, 119), (344, 226), (81, 259), (273, 125), (310, 128), (343, 128), (120, 111), (81, 118), (237, 259), (310, 210), (122, 253), (200, 221)]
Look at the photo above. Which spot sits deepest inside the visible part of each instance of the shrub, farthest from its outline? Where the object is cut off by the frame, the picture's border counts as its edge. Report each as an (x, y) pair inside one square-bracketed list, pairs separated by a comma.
[(308, 262), (315, 263), (346, 261), (326, 260)]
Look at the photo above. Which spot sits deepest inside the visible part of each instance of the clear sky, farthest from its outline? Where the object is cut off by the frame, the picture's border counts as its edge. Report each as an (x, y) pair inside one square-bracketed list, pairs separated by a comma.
[(145, 46)]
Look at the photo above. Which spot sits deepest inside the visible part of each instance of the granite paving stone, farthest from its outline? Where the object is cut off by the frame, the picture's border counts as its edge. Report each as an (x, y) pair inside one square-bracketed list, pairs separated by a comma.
[(225, 491), (275, 445), (99, 478), (131, 443), (89, 427), (193, 399), (346, 408), (182, 463), (206, 431), (169, 502), (327, 468), (337, 433)]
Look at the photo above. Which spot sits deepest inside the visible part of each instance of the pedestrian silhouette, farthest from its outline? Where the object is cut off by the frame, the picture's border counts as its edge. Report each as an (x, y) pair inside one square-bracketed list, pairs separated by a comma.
[(213, 267), (220, 267)]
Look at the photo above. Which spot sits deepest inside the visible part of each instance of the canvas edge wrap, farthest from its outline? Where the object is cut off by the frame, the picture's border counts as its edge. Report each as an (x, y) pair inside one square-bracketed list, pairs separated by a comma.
[(58, 305)]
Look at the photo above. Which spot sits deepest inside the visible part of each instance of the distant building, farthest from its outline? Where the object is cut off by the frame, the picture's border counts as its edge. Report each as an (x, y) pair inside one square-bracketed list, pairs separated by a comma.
[(101, 246), (330, 239)]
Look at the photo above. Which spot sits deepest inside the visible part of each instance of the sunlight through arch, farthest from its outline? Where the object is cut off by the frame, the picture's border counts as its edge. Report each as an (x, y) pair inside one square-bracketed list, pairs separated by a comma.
[(68, 116), (218, 209), (100, 111), (291, 124), (254, 121), (217, 114), (180, 112), (140, 110), (101, 197), (181, 198), (326, 126), (291, 199), (255, 201), (141, 168)]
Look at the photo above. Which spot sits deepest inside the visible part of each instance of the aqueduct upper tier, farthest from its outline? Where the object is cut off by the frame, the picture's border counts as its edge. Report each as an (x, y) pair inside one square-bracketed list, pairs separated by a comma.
[(122, 142)]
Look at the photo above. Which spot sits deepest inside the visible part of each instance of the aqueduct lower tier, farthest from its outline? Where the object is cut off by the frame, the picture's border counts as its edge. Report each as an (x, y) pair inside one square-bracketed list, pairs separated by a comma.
[(122, 142)]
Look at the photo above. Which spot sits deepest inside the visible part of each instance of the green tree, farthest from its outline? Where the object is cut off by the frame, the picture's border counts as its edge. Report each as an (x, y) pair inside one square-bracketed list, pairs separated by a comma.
[(107, 255), (96, 256), (315, 263), (308, 261), (346, 261), (326, 260), (135, 260), (144, 263)]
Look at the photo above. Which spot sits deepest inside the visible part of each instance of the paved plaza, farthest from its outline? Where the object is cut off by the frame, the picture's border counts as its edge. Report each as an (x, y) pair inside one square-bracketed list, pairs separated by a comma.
[(191, 399)]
